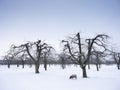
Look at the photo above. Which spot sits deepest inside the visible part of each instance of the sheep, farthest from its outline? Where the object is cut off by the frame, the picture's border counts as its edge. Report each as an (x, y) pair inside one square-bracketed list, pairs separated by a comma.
[(73, 76)]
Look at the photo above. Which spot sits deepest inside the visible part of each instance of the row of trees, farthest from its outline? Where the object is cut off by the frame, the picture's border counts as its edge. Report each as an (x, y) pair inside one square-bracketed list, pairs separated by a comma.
[(76, 50)]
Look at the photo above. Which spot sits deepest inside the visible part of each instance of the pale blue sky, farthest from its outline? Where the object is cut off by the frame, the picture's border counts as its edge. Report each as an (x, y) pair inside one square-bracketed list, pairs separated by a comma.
[(53, 20)]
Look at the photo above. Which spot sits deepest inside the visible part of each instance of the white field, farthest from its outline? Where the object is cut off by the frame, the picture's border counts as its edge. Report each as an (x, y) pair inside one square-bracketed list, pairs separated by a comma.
[(55, 78)]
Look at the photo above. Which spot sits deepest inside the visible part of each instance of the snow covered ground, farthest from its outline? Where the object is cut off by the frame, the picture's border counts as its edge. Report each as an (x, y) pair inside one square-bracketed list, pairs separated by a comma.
[(55, 78)]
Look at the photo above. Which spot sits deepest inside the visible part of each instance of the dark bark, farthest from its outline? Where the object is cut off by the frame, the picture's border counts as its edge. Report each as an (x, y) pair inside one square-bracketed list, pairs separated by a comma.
[(63, 66), (115, 55), (8, 65), (17, 64), (118, 66), (79, 44), (36, 67), (23, 64), (84, 72), (97, 66), (45, 65), (8, 62), (62, 62), (118, 61)]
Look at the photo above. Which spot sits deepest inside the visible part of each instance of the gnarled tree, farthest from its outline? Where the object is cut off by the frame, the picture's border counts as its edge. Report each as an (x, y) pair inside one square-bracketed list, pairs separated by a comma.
[(80, 52), (35, 51)]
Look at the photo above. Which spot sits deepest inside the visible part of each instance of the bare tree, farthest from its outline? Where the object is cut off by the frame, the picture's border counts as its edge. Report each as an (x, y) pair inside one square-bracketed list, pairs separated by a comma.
[(116, 57), (45, 56), (22, 57), (9, 57), (35, 51), (118, 61), (62, 59), (98, 56), (80, 52)]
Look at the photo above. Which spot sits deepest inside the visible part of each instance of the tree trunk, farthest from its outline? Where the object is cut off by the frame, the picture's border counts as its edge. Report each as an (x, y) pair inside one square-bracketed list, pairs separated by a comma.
[(118, 67), (23, 64), (8, 65), (36, 67), (84, 72), (17, 64), (88, 66), (45, 64), (97, 67), (63, 66)]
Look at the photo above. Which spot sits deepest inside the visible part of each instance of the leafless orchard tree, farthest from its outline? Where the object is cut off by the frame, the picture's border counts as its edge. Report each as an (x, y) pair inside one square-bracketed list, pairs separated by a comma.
[(80, 52), (116, 57), (62, 59), (8, 59), (18, 54), (21, 57), (9, 56), (98, 56), (46, 54), (35, 51)]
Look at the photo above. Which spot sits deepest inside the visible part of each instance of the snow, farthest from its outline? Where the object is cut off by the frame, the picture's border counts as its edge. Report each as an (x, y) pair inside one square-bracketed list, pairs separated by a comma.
[(56, 78)]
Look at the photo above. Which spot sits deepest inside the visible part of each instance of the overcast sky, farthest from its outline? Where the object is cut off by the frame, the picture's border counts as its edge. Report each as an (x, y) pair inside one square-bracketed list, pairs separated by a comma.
[(53, 20)]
